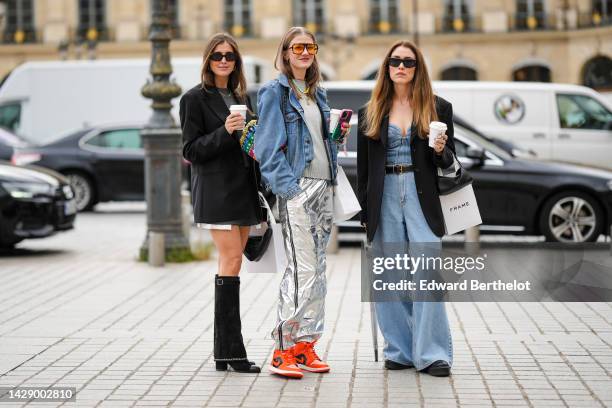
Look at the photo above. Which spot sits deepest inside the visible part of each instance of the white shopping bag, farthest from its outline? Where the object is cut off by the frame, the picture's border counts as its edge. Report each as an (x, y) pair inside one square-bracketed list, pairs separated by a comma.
[(346, 204), (274, 259), (460, 210)]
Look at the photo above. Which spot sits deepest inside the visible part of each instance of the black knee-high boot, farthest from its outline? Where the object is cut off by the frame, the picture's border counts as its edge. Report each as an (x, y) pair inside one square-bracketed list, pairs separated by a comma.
[(229, 346)]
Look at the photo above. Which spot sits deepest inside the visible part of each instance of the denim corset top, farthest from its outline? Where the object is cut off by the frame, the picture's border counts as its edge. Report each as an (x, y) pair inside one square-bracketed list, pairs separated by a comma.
[(398, 146)]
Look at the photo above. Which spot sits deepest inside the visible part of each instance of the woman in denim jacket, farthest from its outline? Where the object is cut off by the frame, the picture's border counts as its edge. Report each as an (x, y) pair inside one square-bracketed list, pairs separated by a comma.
[(298, 162)]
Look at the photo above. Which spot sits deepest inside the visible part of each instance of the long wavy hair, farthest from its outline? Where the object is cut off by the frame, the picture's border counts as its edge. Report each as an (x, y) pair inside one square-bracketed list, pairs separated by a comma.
[(237, 81), (421, 95), (281, 63)]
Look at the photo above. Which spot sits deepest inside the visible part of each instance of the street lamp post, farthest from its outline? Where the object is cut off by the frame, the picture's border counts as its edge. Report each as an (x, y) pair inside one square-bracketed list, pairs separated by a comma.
[(162, 143)]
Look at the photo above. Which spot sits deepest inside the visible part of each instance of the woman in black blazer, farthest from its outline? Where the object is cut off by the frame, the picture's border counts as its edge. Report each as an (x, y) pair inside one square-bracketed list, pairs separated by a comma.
[(224, 183), (397, 190)]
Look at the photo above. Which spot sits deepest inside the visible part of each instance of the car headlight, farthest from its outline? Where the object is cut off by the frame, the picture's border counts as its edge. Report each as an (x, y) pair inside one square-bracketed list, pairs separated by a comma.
[(68, 193), (26, 190), (609, 183), (22, 159)]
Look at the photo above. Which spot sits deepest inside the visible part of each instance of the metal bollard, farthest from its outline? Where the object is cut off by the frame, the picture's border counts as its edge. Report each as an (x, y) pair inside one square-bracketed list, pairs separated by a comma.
[(333, 245), (472, 239), (157, 252), (187, 212)]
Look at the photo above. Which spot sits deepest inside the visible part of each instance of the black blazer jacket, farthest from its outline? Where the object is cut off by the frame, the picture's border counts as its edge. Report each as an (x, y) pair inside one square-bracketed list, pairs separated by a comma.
[(371, 157), (224, 179)]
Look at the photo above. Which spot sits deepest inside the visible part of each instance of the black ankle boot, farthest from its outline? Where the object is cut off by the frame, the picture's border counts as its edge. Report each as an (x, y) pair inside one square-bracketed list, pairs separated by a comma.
[(229, 345)]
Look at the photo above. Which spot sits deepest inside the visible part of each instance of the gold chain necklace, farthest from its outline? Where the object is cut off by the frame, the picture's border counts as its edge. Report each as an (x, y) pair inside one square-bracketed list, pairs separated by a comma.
[(304, 92)]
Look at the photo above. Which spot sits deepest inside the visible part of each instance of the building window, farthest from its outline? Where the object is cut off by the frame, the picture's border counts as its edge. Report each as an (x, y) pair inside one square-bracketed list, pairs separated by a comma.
[(602, 12), (19, 25), (530, 15), (456, 16), (309, 14), (597, 73), (92, 20), (238, 17), (532, 73), (384, 16), (459, 73)]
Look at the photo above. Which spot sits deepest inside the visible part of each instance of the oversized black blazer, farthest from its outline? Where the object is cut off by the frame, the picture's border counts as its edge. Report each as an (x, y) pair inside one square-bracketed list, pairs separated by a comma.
[(224, 179), (371, 157)]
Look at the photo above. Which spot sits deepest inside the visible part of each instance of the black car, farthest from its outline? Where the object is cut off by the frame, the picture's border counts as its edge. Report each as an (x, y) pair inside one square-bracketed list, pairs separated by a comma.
[(103, 163), (516, 194), (34, 203)]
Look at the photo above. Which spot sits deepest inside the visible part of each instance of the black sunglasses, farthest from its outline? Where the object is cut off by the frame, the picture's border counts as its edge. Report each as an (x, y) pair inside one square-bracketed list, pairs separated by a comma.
[(218, 56), (408, 62), (298, 49)]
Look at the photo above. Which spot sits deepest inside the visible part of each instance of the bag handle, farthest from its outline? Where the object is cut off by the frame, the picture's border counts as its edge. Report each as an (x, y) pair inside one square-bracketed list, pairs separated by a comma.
[(270, 215), (451, 181)]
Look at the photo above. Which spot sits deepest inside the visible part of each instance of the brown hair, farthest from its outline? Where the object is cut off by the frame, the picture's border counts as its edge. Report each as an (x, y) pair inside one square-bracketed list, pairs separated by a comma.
[(313, 74), (237, 81), (421, 95)]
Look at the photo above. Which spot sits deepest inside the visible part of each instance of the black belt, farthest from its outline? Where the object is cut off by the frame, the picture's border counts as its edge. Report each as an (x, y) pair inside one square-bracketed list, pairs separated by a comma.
[(399, 168)]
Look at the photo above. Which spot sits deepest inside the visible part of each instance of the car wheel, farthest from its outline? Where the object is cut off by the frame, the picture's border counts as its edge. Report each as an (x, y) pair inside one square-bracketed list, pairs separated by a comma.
[(83, 190), (571, 216)]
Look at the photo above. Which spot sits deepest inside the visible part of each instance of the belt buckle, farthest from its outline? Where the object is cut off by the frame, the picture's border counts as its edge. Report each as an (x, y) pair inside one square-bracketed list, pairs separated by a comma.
[(400, 168)]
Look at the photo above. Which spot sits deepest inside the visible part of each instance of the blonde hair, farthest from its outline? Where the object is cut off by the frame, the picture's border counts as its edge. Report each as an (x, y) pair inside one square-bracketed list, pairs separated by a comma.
[(421, 95), (313, 74), (237, 81)]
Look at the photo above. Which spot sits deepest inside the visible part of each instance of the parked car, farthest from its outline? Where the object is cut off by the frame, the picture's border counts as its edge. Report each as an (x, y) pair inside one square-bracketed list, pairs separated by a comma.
[(8, 142), (569, 123), (102, 163), (34, 203), (40, 99), (516, 195), (562, 122)]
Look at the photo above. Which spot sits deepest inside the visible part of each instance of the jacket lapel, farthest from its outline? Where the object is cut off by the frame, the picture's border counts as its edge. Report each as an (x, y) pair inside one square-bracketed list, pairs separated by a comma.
[(216, 104)]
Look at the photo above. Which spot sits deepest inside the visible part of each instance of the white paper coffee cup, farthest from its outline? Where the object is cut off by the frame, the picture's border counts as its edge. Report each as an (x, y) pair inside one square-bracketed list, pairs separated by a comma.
[(435, 130), (241, 109), (334, 117)]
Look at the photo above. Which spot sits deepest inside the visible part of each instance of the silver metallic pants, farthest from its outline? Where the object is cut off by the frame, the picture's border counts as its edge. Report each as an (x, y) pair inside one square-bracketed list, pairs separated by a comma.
[(306, 221)]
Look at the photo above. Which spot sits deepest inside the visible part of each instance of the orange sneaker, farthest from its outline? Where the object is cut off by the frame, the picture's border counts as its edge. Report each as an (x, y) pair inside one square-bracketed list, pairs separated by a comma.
[(307, 358), (283, 363)]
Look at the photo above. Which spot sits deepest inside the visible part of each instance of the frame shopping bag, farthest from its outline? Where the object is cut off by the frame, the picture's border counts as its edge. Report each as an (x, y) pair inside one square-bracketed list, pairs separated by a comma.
[(346, 204)]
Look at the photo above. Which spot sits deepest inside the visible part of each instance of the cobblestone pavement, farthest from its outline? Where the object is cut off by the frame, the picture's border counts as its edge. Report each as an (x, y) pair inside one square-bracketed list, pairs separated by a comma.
[(78, 310)]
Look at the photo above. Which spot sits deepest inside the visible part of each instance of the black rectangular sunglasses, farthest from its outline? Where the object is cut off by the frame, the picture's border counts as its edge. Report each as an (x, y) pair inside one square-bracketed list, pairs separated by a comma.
[(408, 62), (218, 56)]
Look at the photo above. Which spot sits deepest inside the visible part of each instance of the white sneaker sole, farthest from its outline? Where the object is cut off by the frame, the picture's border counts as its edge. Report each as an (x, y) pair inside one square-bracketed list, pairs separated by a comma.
[(313, 370), (285, 373)]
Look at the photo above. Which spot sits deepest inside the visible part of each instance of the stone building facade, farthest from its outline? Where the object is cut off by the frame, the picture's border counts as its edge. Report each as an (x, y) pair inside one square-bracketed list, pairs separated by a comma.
[(567, 41)]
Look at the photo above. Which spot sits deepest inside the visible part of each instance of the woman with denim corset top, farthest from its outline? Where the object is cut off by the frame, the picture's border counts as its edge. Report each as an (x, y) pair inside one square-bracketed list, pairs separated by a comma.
[(224, 185), (298, 161), (396, 178)]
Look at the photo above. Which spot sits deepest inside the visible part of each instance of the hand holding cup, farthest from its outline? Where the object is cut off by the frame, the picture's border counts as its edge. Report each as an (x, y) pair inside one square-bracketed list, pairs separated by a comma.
[(234, 122), (437, 136)]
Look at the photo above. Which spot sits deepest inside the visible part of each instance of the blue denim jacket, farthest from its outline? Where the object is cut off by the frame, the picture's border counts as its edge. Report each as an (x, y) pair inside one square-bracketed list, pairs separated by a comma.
[(282, 170)]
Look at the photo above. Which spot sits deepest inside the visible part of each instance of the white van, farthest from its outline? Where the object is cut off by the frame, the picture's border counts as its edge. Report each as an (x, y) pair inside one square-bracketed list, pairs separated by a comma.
[(562, 122), (42, 100)]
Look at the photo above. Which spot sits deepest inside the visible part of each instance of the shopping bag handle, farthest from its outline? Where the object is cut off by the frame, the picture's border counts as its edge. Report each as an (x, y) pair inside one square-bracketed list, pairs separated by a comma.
[(270, 216)]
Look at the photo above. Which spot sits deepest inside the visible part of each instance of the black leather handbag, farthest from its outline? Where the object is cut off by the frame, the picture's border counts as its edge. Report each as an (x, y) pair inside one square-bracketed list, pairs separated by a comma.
[(448, 184), (257, 245)]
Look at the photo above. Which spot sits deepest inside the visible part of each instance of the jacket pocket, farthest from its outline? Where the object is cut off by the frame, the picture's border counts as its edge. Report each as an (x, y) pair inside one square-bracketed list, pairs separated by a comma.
[(292, 120)]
